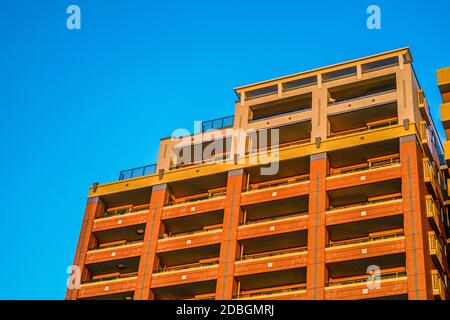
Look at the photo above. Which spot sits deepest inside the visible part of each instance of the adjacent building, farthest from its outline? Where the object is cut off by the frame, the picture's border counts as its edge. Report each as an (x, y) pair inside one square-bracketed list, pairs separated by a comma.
[(326, 184)]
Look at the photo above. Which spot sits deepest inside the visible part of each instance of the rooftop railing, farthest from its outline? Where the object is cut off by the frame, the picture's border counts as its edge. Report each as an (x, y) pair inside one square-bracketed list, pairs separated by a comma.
[(137, 172), (217, 124)]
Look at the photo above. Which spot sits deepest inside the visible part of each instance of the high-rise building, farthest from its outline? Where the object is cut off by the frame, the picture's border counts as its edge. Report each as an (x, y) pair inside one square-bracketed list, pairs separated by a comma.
[(326, 184)]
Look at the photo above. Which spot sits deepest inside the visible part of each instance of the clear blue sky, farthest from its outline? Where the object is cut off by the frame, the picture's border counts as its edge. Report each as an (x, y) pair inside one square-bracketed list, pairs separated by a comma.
[(78, 106)]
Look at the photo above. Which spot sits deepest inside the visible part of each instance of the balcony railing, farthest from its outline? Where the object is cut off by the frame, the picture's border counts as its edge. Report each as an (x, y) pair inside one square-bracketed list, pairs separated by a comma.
[(115, 277), (383, 276), (435, 247), (187, 266), (273, 253), (287, 216), (284, 182), (372, 93), (123, 244), (368, 203), (137, 172), (369, 127), (169, 236), (217, 124), (126, 210), (365, 240), (439, 288), (371, 166), (433, 213), (197, 199), (220, 157), (270, 292), (277, 147)]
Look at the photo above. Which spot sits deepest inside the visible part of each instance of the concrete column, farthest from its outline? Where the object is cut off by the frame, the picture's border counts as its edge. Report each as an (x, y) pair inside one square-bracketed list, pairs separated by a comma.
[(148, 260), (94, 208), (226, 285), (416, 226), (316, 271)]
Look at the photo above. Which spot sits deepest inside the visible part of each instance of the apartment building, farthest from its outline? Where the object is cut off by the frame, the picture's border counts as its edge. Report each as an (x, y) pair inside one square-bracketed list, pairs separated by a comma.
[(358, 190)]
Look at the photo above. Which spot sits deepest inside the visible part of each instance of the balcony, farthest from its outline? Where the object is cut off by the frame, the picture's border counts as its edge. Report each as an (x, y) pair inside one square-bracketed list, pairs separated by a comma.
[(273, 253), (202, 290), (439, 288), (109, 278), (187, 266), (382, 207), (137, 172), (433, 214), (278, 137), (108, 288), (198, 198), (371, 165), (273, 293), (272, 109), (363, 279), (436, 250), (362, 89), (393, 236), (114, 251), (423, 106), (124, 210)]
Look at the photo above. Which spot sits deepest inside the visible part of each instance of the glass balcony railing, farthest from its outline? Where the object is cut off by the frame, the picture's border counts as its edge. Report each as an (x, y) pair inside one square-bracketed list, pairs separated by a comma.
[(383, 276), (300, 288), (169, 236), (272, 254), (366, 240), (188, 266), (217, 124), (137, 172), (111, 278), (370, 166), (367, 203)]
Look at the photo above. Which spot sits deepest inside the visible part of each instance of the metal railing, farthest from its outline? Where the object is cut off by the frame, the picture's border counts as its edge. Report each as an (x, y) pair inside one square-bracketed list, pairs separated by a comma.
[(137, 172), (169, 236), (123, 244), (365, 240), (371, 127), (383, 276), (218, 123), (374, 165), (277, 147), (438, 285), (270, 292), (189, 266), (121, 276), (107, 214), (295, 215), (197, 199), (272, 254), (277, 184), (367, 203)]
